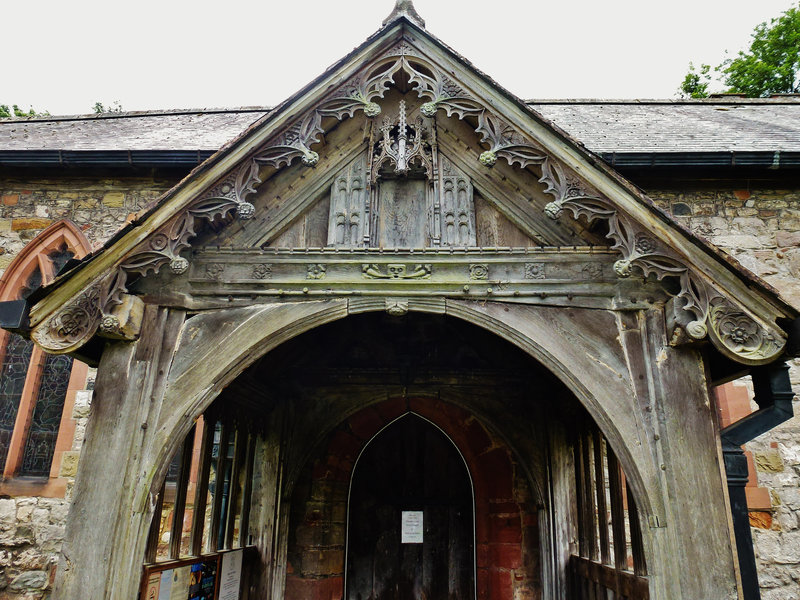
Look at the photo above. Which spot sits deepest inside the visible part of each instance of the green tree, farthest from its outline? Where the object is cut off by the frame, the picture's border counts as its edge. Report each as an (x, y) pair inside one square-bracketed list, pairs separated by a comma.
[(695, 84), (100, 108), (16, 111), (771, 65)]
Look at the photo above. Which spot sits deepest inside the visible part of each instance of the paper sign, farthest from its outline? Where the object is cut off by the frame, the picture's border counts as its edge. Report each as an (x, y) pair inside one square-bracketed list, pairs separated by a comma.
[(230, 575), (180, 583), (165, 589), (411, 527)]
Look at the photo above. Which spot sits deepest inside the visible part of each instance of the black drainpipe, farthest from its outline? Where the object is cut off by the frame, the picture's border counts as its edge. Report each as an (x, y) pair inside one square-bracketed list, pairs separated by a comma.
[(773, 394)]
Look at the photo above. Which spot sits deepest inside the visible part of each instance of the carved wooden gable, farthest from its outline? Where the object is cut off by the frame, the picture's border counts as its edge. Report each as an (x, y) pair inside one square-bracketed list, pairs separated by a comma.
[(400, 179), (403, 174)]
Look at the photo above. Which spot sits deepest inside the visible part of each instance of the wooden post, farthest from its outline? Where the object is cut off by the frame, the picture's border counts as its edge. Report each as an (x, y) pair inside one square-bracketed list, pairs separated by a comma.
[(113, 500), (201, 491), (233, 494), (155, 528), (181, 487), (247, 492), (617, 511), (219, 485), (600, 487)]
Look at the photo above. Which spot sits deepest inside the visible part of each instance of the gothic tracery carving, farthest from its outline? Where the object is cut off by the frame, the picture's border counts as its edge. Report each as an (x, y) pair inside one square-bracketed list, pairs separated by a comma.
[(402, 145), (349, 203)]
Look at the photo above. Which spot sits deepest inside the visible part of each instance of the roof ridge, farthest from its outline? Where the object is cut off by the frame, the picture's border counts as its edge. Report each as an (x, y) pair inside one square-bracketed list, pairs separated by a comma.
[(689, 101), (170, 112)]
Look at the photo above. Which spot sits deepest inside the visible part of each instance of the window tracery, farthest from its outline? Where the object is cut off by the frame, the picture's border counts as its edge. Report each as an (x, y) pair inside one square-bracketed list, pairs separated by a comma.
[(34, 385)]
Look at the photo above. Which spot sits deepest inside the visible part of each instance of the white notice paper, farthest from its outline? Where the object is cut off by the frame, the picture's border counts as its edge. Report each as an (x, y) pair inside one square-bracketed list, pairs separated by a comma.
[(411, 527), (166, 585), (230, 575)]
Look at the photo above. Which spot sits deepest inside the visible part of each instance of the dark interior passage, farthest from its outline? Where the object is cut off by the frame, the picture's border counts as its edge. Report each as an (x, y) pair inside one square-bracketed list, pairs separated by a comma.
[(410, 467)]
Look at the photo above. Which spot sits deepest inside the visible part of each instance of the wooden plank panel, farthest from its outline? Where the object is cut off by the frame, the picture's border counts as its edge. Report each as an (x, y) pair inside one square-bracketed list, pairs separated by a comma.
[(493, 230)]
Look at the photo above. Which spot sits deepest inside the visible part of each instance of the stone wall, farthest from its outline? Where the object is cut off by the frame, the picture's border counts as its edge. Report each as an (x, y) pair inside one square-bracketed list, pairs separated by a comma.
[(98, 206), (760, 227)]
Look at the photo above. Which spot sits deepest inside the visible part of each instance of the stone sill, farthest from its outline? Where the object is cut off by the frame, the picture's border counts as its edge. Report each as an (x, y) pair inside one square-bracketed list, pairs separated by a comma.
[(52, 487)]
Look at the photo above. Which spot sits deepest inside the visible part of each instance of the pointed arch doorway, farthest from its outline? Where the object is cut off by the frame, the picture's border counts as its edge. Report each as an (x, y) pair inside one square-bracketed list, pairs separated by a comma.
[(410, 525)]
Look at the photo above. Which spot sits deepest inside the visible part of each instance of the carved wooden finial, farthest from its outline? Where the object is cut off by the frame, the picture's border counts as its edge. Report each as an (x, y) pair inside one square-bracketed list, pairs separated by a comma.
[(405, 8)]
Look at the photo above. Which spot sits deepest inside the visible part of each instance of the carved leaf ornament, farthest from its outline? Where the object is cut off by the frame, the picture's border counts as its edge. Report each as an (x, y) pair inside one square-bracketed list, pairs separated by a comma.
[(733, 331), (708, 311)]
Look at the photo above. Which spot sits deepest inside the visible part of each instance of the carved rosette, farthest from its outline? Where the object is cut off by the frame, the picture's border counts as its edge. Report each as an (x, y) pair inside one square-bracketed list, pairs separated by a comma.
[(739, 336), (479, 271)]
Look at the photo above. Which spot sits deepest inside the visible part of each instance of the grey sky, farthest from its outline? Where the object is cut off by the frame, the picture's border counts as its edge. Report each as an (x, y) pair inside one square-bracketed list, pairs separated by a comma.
[(63, 56)]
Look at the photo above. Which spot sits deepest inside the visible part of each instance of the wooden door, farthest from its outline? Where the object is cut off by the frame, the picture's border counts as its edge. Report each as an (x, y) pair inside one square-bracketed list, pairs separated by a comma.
[(410, 466)]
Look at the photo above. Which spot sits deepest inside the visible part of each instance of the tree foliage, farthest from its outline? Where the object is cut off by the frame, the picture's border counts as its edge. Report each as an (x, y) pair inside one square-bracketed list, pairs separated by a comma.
[(695, 84), (771, 65), (115, 107), (16, 111)]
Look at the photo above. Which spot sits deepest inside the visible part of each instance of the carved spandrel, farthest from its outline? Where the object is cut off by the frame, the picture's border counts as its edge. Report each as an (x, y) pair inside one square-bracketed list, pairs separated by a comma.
[(349, 198)]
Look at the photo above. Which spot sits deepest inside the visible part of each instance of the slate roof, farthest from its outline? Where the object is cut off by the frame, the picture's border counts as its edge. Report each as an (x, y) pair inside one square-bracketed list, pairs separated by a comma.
[(201, 129), (603, 126), (744, 125)]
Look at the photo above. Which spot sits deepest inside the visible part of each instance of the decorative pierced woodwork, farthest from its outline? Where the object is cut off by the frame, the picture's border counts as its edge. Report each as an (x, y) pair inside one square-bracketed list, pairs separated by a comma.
[(422, 205)]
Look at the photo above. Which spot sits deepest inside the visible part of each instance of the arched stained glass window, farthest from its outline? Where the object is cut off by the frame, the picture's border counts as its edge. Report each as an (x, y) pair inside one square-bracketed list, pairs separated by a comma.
[(34, 385), (16, 358), (41, 442)]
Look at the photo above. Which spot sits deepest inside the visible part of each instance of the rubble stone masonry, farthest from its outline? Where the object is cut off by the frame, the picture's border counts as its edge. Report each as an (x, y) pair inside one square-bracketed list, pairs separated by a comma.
[(99, 207), (760, 227)]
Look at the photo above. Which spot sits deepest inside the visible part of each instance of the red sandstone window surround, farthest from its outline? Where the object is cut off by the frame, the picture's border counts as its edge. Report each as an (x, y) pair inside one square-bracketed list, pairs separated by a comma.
[(37, 390)]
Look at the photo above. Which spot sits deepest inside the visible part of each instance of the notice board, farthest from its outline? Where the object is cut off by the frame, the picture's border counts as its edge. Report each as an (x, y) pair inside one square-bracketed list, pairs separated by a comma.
[(213, 577)]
